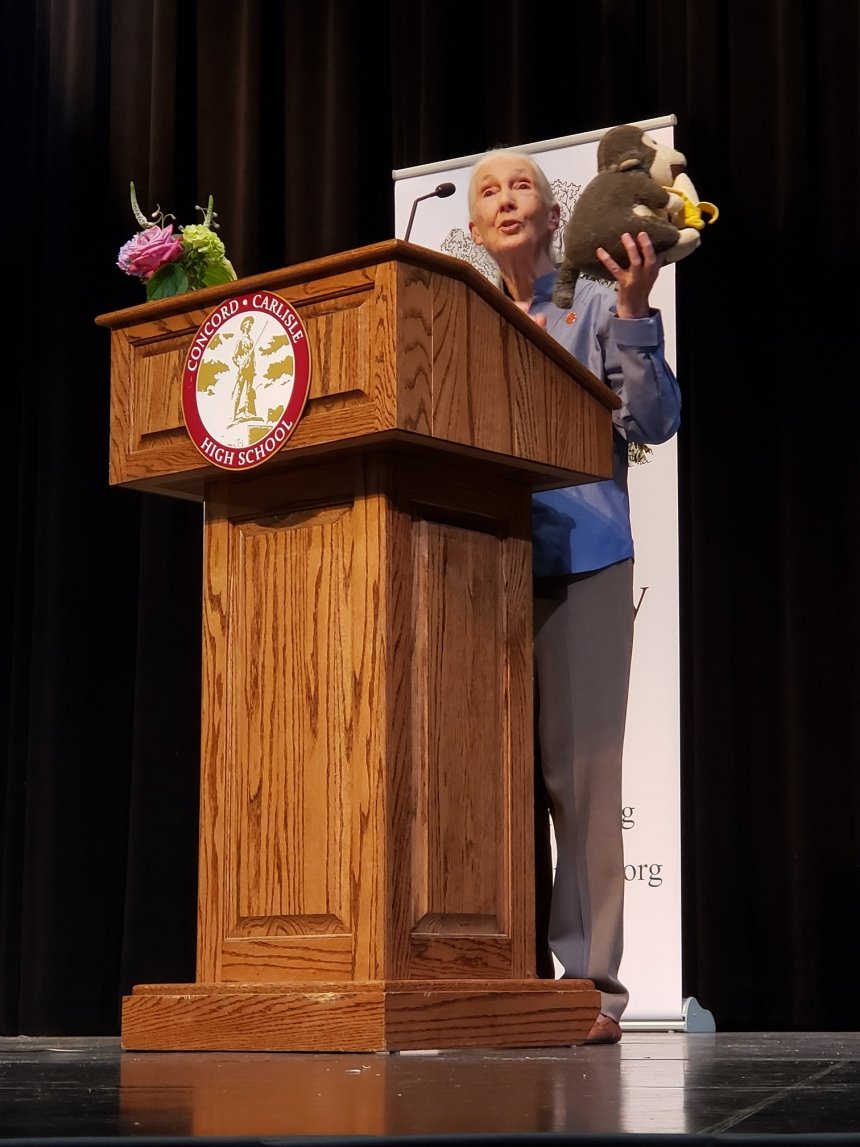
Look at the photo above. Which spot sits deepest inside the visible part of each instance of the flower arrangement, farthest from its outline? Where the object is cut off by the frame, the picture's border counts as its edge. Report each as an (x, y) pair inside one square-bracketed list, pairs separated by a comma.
[(170, 263)]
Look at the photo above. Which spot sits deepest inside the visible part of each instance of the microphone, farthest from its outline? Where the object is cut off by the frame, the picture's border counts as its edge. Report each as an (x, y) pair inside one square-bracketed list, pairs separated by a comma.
[(441, 192)]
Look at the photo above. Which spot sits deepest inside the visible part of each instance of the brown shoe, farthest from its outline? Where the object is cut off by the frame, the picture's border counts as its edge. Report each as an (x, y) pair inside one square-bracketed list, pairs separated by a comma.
[(604, 1030)]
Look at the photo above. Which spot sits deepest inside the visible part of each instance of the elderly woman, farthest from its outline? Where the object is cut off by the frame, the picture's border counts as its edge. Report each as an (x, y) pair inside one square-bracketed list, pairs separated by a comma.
[(583, 562)]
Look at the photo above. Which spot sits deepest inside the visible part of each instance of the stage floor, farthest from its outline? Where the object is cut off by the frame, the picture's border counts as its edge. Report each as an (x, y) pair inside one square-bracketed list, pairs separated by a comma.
[(652, 1082)]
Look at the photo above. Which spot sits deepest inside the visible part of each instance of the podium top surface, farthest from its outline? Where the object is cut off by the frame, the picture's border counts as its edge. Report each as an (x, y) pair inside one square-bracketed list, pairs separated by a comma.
[(409, 349), (359, 257)]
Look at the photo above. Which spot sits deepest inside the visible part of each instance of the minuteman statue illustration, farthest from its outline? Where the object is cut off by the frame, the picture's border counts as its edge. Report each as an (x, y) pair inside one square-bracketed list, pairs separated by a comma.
[(244, 395)]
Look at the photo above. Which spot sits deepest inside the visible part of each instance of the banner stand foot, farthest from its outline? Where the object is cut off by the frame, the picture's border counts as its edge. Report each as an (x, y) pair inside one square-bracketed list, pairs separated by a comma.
[(697, 1018), (693, 1018)]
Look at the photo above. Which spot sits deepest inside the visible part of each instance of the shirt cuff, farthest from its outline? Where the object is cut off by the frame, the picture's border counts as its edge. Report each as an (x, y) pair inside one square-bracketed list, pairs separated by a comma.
[(646, 332)]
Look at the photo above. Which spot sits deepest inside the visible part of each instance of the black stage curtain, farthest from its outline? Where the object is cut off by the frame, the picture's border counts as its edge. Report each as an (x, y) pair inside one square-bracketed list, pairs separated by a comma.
[(293, 115)]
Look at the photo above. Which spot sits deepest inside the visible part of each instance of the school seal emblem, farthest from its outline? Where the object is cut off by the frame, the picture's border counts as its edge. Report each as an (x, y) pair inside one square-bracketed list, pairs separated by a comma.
[(246, 380)]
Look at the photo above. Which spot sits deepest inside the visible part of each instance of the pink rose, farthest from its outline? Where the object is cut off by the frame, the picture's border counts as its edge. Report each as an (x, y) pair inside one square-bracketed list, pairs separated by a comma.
[(148, 250)]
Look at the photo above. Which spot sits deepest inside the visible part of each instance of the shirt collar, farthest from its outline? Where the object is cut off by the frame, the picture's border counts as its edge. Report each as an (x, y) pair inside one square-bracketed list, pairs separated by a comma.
[(542, 290)]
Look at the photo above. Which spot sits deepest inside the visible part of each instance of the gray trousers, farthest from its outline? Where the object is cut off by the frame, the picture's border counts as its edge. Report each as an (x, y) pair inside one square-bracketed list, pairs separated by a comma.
[(583, 645)]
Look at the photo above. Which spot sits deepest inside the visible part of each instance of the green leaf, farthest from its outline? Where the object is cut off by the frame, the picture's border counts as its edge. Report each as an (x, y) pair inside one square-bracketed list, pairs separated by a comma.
[(216, 273), (167, 281)]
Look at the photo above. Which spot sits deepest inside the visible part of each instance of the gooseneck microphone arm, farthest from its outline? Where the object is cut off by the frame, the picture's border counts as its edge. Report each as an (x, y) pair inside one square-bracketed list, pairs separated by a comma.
[(441, 192)]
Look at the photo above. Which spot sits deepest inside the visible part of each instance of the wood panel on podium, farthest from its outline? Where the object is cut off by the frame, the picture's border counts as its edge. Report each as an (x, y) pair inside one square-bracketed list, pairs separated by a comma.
[(365, 852)]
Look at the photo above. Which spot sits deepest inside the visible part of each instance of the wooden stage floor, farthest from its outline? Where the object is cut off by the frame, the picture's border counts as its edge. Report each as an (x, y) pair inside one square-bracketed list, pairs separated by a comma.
[(724, 1084)]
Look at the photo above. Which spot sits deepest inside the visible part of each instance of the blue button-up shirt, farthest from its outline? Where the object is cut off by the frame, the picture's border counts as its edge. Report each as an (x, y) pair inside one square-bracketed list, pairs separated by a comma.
[(587, 527)]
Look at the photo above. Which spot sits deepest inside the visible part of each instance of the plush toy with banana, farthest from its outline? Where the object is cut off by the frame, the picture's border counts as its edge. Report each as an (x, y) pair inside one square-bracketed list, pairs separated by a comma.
[(641, 185)]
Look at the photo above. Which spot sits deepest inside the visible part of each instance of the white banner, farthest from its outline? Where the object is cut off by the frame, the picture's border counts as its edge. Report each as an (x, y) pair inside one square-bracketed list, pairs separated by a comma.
[(651, 813)]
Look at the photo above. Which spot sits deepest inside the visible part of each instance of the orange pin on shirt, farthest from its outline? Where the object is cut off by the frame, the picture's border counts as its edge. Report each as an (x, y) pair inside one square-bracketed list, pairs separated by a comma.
[(570, 317)]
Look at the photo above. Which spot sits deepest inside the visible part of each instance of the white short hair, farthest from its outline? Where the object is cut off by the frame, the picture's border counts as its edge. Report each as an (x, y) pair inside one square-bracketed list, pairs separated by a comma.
[(541, 180)]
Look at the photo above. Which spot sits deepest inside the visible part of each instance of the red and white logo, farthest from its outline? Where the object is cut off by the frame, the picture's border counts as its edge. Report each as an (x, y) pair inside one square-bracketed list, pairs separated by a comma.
[(246, 380)]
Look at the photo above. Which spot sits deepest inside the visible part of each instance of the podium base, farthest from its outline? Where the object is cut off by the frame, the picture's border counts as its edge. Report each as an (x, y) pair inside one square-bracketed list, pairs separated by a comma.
[(403, 1015)]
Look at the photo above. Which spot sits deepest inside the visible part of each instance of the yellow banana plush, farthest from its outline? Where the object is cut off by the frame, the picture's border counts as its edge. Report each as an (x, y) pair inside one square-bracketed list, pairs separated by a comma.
[(694, 214)]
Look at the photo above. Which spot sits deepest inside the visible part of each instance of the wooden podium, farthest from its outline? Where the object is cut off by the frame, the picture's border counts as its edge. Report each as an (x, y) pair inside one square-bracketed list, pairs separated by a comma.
[(366, 857)]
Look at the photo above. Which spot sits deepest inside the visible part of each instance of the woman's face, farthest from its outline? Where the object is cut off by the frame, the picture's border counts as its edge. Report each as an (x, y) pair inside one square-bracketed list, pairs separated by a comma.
[(509, 215)]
